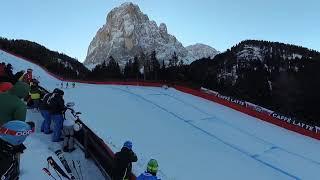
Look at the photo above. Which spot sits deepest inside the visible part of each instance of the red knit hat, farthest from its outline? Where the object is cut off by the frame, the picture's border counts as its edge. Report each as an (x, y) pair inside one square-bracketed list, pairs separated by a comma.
[(5, 86)]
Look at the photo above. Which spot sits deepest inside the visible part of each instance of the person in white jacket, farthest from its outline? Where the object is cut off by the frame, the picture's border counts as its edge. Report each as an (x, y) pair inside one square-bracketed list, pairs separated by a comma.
[(68, 131)]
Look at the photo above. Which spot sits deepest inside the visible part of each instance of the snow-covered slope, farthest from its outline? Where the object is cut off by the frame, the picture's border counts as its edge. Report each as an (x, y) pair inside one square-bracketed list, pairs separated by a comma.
[(35, 156), (191, 138), (250, 52), (39, 148), (198, 51), (128, 33)]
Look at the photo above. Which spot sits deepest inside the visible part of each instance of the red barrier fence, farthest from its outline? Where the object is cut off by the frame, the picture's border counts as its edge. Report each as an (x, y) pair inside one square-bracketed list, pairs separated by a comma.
[(312, 132)]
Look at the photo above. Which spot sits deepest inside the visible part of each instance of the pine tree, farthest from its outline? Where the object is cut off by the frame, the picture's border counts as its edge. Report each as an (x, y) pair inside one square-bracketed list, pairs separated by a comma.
[(113, 69), (136, 68), (173, 61), (128, 70), (154, 66)]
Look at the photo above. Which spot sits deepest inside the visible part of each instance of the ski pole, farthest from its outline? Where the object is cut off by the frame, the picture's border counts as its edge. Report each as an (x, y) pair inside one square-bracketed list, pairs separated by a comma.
[(125, 174), (75, 168), (79, 165), (48, 173), (58, 174)]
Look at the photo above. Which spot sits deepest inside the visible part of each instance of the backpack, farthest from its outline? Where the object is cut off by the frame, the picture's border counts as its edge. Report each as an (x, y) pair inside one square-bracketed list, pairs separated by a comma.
[(50, 100), (9, 164)]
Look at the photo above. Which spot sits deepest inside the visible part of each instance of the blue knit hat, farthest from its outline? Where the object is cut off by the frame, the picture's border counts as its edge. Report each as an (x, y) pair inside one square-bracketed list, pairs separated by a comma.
[(15, 132), (128, 144)]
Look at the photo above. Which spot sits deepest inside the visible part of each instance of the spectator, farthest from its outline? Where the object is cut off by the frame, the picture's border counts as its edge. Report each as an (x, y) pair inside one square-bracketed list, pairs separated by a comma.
[(11, 105), (8, 71), (2, 69), (27, 78), (151, 173), (68, 131), (18, 76), (11, 146), (3, 75), (44, 110), (5, 86), (56, 109), (35, 94), (123, 162)]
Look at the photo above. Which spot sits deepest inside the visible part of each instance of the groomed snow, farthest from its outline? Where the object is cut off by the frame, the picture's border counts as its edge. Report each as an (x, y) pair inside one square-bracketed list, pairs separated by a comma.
[(191, 138), (39, 148)]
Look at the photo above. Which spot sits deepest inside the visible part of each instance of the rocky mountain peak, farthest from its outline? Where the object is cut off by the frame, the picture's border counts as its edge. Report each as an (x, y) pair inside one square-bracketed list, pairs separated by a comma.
[(128, 32)]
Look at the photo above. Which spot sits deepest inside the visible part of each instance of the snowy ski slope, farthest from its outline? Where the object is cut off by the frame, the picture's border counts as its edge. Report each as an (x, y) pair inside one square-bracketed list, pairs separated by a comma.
[(191, 138), (38, 150)]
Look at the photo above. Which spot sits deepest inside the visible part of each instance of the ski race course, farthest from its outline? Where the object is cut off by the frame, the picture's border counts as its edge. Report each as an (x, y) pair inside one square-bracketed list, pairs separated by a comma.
[(192, 138)]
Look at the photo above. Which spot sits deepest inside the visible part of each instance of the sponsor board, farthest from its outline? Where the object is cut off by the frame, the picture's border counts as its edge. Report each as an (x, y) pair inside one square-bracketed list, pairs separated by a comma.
[(296, 122), (233, 100), (260, 109), (208, 91)]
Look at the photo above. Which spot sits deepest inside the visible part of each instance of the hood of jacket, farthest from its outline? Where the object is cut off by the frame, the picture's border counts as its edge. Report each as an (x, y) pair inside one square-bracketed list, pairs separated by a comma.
[(20, 89)]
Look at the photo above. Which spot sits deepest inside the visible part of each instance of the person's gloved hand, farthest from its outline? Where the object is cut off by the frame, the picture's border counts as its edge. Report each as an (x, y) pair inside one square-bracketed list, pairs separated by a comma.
[(19, 148)]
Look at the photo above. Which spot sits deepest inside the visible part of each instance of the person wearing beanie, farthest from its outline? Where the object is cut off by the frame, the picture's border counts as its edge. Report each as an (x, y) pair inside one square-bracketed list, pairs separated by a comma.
[(123, 162), (151, 173), (11, 105), (35, 95)]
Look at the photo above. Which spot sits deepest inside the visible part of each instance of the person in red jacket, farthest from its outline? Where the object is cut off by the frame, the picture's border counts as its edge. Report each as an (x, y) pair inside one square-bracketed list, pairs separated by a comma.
[(27, 78), (5, 86)]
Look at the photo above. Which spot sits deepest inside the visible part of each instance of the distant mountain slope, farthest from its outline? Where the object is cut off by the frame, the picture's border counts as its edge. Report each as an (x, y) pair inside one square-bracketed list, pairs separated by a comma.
[(276, 75), (199, 51), (55, 62)]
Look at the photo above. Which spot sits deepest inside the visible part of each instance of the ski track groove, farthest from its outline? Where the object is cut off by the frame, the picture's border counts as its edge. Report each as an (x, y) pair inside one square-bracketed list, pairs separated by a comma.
[(254, 157), (219, 120)]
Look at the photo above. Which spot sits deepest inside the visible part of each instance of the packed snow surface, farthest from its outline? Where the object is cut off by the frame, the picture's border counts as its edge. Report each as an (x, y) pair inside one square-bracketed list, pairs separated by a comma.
[(191, 138), (39, 148)]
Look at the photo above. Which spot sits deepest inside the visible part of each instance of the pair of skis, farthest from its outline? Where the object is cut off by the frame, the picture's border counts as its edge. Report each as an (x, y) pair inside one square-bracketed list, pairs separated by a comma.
[(75, 168), (59, 171), (56, 168)]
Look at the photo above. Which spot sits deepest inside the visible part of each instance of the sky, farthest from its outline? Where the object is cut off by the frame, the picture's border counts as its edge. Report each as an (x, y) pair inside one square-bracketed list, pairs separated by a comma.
[(68, 26)]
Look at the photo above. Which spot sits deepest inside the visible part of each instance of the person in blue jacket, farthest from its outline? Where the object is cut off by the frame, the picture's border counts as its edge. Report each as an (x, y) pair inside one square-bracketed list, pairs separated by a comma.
[(151, 173)]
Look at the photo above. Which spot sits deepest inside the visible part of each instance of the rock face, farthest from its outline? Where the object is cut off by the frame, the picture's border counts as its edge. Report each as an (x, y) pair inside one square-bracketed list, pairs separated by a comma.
[(199, 51), (128, 33)]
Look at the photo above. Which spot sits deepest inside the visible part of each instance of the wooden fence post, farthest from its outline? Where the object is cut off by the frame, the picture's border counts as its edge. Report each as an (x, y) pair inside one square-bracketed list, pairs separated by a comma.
[(86, 148)]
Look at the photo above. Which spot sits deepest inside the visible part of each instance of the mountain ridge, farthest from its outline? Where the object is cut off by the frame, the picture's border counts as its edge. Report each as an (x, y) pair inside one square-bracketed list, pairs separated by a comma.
[(128, 33)]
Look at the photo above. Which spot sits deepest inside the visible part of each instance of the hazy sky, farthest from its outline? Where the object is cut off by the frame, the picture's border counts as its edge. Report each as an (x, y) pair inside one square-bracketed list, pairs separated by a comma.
[(68, 26)]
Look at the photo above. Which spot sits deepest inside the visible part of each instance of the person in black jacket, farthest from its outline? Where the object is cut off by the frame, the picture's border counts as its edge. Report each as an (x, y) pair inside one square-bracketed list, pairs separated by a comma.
[(44, 110), (9, 72), (18, 76), (56, 109), (123, 162)]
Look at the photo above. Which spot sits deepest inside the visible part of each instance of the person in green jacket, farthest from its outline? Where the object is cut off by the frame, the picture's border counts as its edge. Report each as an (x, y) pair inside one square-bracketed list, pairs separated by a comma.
[(11, 105)]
